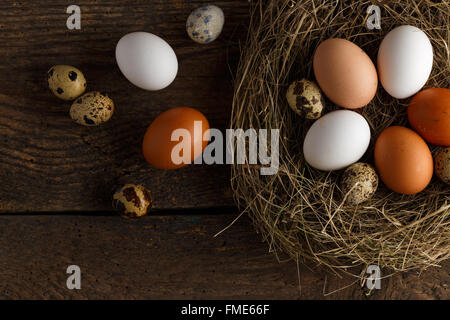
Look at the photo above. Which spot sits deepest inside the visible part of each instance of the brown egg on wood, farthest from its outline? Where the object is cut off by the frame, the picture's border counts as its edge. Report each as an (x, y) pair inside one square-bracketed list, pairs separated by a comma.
[(162, 147), (132, 201)]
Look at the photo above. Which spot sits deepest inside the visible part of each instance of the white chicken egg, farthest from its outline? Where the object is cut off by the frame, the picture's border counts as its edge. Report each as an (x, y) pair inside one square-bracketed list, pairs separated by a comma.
[(337, 140), (146, 60), (405, 59)]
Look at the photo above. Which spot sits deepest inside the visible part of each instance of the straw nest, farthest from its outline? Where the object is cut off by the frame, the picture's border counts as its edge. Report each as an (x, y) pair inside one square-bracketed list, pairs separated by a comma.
[(299, 210)]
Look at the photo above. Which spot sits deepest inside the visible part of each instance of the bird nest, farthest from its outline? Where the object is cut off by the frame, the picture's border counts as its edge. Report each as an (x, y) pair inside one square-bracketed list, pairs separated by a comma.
[(300, 210)]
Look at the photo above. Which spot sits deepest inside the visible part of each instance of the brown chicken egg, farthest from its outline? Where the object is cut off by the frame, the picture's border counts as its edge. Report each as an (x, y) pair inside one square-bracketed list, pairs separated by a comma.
[(345, 73), (403, 160), (429, 115), (163, 143)]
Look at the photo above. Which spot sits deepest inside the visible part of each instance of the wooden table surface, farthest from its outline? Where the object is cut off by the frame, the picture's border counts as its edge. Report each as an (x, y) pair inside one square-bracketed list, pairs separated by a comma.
[(57, 177)]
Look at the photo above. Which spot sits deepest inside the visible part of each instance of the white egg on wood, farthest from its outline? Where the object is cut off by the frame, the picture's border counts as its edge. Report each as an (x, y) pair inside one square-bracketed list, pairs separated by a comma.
[(337, 140), (405, 59), (146, 60), (205, 24)]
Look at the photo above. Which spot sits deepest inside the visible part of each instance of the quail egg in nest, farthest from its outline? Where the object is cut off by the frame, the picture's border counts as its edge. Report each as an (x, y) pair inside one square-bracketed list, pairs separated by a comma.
[(305, 99), (442, 165), (359, 183)]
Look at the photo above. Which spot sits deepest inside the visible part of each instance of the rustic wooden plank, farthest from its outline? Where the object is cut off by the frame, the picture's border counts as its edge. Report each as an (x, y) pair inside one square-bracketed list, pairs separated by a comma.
[(49, 163), (170, 257)]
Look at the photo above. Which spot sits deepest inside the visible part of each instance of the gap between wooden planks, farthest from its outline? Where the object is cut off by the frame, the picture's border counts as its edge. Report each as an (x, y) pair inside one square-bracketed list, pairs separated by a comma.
[(50, 164), (170, 257)]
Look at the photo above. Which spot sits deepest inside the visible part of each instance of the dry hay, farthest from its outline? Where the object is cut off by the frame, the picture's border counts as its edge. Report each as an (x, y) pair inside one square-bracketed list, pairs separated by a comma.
[(300, 211)]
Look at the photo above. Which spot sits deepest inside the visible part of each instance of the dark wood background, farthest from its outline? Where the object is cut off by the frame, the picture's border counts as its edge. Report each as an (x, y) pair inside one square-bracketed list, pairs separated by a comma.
[(57, 177)]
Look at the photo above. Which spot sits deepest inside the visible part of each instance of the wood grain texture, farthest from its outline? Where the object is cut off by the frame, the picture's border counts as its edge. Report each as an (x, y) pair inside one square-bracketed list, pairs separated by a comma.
[(171, 257), (49, 163)]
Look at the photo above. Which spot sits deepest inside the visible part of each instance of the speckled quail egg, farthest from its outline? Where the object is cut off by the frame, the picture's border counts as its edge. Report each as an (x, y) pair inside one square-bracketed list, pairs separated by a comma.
[(132, 201), (205, 24), (66, 82), (92, 109), (442, 165), (305, 99), (359, 183)]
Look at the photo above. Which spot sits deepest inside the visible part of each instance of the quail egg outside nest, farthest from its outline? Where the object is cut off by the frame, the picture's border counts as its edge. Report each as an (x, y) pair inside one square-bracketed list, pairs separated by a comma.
[(66, 82), (132, 201), (205, 24), (92, 109)]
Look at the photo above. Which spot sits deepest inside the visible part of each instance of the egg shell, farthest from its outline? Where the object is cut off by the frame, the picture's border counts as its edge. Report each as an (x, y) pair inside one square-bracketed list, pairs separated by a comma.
[(205, 24), (345, 73), (66, 82), (157, 145), (442, 165), (429, 115), (305, 99), (146, 60), (132, 201), (403, 160), (336, 140), (92, 109), (405, 59), (359, 183)]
